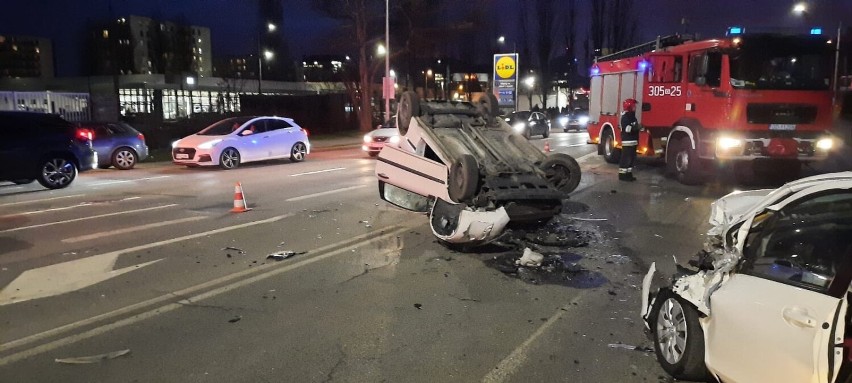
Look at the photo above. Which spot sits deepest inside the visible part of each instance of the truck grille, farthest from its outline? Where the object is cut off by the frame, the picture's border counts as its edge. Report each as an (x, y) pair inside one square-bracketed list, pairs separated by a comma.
[(781, 113)]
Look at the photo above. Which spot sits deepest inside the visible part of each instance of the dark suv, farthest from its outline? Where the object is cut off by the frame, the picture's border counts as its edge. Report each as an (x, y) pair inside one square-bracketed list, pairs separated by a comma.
[(43, 147)]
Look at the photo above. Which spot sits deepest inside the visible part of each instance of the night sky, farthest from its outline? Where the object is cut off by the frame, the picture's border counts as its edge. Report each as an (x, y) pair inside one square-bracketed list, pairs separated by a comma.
[(232, 23)]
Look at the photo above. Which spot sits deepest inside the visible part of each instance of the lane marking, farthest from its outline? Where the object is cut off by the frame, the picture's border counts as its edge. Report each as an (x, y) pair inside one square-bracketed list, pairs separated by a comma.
[(575, 145), (130, 229), (82, 204), (193, 292), (87, 218), (317, 171), (320, 194), (508, 366), (40, 200), (126, 181), (587, 157)]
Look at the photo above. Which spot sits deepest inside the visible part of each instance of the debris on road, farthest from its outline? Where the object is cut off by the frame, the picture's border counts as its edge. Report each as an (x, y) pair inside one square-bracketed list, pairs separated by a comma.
[(530, 259), (231, 248), (93, 358), (282, 255), (629, 347), (418, 306), (235, 319), (587, 219)]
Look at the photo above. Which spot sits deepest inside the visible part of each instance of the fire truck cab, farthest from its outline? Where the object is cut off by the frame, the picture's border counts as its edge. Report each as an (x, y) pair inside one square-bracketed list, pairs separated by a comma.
[(738, 101)]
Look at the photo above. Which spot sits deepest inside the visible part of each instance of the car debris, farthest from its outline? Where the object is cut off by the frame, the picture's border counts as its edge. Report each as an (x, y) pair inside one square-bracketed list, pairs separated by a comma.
[(530, 259), (93, 358), (771, 280), (632, 348), (282, 255), (231, 248), (470, 171), (235, 319)]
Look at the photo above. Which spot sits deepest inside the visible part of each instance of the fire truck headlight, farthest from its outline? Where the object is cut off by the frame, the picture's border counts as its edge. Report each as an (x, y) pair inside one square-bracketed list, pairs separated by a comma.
[(728, 143), (519, 127), (825, 143)]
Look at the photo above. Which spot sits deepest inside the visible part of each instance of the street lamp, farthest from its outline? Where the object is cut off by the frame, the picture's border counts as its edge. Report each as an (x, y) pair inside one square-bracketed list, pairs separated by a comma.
[(426, 75), (801, 9), (387, 89), (268, 55), (271, 27)]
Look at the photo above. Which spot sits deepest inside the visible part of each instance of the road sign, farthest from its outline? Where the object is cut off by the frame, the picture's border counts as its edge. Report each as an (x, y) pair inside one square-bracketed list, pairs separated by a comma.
[(505, 79)]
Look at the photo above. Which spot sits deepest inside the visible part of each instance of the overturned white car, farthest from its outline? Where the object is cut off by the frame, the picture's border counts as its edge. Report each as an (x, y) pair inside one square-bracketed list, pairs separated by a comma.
[(769, 302), (469, 170)]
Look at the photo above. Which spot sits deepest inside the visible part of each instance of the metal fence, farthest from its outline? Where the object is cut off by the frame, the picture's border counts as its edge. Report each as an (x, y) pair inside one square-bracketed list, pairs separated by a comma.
[(71, 106)]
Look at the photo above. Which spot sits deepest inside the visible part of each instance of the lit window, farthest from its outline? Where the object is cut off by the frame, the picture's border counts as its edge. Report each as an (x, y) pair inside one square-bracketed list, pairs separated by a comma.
[(106, 34)]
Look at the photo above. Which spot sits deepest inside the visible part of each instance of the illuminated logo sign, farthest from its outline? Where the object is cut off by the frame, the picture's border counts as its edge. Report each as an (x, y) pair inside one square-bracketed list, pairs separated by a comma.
[(506, 67)]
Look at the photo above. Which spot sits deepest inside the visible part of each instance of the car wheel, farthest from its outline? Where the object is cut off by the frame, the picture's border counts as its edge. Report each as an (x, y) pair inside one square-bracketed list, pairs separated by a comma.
[(562, 172), (229, 159), (546, 133), (464, 178), (487, 107), (408, 107), (124, 158), (610, 152), (23, 181), (57, 172), (678, 337), (683, 162), (299, 152)]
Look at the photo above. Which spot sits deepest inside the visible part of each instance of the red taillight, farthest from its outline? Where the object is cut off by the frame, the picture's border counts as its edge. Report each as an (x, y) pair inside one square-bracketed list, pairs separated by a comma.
[(85, 134), (305, 131), (141, 137)]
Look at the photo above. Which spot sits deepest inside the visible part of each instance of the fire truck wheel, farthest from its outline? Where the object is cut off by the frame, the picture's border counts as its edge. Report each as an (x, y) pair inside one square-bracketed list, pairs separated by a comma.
[(463, 179), (610, 152), (409, 106), (562, 172), (683, 162)]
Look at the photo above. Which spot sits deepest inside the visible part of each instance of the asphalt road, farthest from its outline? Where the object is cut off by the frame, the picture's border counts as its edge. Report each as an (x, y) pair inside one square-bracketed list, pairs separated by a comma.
[(152, 261)]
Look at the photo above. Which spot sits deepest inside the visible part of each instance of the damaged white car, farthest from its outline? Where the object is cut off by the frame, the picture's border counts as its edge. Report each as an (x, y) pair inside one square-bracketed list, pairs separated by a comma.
[(769, 300), (469, 170)]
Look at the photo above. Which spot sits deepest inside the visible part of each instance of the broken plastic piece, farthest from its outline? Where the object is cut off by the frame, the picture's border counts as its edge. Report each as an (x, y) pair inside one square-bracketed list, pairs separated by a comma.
[(282, 255), (629, 347), (234, 249), (530, 258), (93, 358)]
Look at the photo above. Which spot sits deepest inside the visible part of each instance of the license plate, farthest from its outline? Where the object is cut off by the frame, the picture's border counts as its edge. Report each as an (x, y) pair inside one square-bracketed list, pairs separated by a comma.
[(181, 156), (782, 127)]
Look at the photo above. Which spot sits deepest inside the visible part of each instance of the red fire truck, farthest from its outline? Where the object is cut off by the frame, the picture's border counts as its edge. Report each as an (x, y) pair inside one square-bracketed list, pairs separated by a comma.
[(745, 101)]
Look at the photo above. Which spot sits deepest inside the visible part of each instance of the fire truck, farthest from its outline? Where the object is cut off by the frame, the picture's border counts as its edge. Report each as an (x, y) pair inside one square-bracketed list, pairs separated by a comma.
[(742, 101)]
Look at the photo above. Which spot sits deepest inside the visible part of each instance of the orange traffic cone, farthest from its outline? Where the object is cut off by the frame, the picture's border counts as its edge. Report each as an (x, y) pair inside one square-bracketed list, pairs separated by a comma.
[(239, 200), (546, 146)]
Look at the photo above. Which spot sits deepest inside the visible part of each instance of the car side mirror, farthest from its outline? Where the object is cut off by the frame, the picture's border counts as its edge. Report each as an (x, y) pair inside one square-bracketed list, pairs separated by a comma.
[(402, 198)]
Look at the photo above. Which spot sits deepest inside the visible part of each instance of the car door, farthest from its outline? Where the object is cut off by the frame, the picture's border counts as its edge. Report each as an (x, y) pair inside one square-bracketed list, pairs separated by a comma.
[(280, 137), (102, 140), (781, 317), (252, 146), (412, 172), (535, 122)]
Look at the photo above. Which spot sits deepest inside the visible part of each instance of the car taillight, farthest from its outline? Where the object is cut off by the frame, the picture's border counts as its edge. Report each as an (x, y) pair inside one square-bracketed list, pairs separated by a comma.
[(85, 135), (305, 131), (141, 137)]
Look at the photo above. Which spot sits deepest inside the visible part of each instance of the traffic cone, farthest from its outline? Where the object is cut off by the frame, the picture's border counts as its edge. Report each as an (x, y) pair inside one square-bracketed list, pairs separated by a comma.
[(546, 146), (239, 200)]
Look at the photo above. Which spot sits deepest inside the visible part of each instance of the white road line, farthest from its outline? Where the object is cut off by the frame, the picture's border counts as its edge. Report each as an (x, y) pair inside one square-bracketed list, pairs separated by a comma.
[(40, 200), (325, 193), (195, 293), (587, 157), (574, 145), (87, 218), (125, 181), (82, 204), (508, 366), (318, 171), (129, 230)]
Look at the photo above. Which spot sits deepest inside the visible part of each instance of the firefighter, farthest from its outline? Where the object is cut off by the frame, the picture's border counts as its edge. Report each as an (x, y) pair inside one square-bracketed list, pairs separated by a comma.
[(629, 140)]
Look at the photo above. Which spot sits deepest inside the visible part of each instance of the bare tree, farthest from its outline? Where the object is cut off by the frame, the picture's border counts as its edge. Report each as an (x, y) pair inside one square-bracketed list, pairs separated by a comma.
[(614, 27)]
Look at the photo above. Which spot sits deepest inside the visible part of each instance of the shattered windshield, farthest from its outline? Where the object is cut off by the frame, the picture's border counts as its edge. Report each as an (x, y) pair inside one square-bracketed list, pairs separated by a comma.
[(787, 63)]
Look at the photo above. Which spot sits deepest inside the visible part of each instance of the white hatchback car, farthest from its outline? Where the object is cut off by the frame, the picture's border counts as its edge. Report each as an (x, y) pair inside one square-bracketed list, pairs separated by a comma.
[(236, 140), (770, 300)]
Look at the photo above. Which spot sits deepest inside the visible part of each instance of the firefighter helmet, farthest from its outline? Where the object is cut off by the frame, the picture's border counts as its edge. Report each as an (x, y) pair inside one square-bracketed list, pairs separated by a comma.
[(629, 105)]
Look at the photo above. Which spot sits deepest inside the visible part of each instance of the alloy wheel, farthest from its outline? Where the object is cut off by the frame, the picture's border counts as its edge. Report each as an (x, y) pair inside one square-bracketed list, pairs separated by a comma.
[(58, 173), (299, 152), (671, 330), (230, 158)]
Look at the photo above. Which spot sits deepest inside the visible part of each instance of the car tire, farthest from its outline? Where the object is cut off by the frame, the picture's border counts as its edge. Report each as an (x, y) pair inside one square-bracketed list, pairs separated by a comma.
[(56, 172), (678, 337), (299, 152), (611, 154), (408, 107), (546, 133), (24, 181), (487, 107), (562, 172), (463, 178), (124, 158), (229, 159), (683, 163)]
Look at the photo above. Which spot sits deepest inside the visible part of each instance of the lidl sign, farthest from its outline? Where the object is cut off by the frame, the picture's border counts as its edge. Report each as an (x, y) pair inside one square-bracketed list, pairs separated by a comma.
[(505, 78)]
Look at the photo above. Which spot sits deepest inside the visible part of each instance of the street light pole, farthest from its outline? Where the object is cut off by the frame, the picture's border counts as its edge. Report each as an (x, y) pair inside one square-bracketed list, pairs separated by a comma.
[(837, 65), (386, 83)]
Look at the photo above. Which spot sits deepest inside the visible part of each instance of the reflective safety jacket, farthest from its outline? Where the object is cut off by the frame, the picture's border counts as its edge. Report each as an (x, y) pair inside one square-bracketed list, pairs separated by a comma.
[(629, 129)]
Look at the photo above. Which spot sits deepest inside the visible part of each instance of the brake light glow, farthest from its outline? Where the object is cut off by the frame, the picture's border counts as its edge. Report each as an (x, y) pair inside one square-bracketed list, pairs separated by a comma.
[(85, 134), (141, 137), (305, 131)]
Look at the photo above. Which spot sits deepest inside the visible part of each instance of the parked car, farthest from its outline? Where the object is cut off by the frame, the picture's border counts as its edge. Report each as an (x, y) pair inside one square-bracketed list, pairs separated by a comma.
[(375, 140), (769, 301), (117, 144), (471, 171), (43, 147), (233, 141), (575, 120), (527, 123)]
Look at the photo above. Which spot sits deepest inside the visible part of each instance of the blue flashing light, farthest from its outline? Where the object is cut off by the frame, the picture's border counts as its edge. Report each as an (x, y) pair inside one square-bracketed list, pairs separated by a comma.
[(816, 31), (736, 30), (596, 71), (643, 65)]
